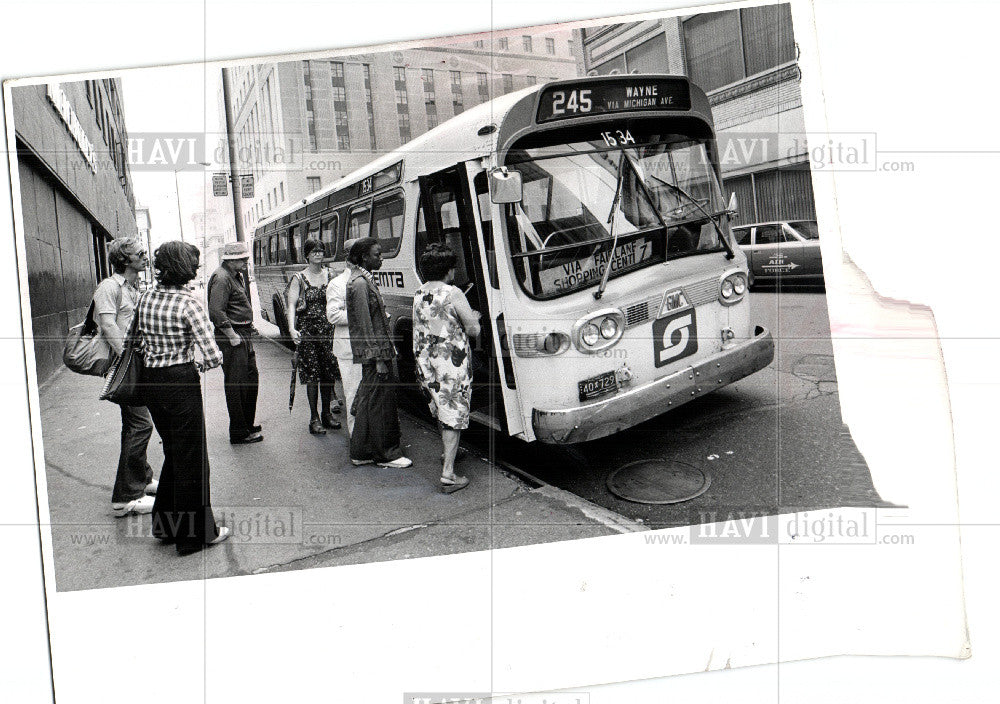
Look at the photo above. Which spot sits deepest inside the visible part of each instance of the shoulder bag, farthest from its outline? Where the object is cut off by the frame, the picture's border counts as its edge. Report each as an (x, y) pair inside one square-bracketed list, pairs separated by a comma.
[(124, 384), (85, 350)]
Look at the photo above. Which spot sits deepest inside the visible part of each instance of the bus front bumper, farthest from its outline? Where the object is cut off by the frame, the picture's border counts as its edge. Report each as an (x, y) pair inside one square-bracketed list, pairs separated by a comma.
[(638, 404)]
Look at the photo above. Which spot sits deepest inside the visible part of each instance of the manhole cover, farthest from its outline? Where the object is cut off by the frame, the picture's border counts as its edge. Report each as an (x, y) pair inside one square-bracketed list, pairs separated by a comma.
[(658, 481)]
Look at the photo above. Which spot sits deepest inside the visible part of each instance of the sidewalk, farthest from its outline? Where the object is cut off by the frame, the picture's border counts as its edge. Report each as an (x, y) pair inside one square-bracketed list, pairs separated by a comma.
[(293, 501)]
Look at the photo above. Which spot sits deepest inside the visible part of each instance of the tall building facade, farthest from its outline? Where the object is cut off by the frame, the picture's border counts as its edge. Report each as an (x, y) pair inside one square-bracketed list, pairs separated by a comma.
[(746, 61), (76, 197), (301, 125)]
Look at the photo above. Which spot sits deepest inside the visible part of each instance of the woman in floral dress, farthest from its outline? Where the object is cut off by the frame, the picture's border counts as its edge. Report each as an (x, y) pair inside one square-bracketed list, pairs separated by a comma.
[(443, 322), (313, 335)]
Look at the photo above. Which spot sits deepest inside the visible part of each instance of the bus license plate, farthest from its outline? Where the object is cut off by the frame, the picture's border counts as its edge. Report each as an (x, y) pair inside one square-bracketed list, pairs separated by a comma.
[(596, 386)]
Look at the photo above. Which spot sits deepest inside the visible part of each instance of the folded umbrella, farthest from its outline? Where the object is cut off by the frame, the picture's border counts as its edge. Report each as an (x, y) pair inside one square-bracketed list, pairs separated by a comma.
[(291, 389)]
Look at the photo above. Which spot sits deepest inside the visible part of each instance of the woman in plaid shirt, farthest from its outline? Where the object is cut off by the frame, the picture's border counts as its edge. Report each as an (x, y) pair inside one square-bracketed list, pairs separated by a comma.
[(172, 322)]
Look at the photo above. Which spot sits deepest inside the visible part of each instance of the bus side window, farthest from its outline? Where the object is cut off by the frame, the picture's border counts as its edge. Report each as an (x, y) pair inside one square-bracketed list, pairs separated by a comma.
[(256, 252), (328, 235), (339, 238), (313, 231), (272, 249), (358, 224), (282, 257), (387, 224)]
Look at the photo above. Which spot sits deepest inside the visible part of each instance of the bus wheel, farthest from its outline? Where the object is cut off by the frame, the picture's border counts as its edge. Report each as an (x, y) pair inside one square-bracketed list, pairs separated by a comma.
[(281, 321)]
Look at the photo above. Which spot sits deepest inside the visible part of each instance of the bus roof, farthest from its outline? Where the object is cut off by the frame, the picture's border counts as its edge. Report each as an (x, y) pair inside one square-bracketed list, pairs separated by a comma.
[(432, 151), (459, 139)]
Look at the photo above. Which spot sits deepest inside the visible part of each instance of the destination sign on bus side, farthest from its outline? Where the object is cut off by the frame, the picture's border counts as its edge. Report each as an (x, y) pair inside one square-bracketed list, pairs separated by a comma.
[(612, 96)]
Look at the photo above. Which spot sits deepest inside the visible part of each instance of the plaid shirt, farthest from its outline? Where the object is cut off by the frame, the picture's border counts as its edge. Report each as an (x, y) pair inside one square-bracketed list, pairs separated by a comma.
[(171, 322)]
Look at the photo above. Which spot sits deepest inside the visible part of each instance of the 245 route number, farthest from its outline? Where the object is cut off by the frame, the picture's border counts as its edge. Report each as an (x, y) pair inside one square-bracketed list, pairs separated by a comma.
[(576, 101)]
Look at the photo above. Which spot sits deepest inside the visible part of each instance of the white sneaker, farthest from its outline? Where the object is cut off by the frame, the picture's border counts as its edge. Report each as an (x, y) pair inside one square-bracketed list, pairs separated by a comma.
[(136, 506), (401, 463)]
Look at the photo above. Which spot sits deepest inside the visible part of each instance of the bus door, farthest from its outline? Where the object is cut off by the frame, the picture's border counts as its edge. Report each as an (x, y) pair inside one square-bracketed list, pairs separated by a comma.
[(448, 216)]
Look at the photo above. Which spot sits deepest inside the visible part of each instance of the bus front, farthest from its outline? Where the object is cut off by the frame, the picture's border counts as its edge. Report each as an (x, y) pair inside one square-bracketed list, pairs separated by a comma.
[(624, 293)]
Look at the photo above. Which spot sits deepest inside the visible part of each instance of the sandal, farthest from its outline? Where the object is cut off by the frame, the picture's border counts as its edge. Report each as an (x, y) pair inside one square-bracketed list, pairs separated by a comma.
[(450, 486), (316, 427)]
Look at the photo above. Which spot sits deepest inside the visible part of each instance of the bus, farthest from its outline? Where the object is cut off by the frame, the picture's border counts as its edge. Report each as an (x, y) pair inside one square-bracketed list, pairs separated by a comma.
[(592, 235)]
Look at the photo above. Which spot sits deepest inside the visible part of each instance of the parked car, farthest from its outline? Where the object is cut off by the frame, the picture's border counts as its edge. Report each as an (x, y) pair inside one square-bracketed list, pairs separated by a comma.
[(783, 251)]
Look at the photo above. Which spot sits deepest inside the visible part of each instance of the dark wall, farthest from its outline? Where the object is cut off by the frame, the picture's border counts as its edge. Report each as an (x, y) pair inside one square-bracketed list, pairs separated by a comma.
[(61, 272)]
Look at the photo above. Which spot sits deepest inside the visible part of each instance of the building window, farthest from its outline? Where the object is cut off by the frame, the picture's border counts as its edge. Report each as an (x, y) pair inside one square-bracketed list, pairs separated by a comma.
[(483, 82), (550, 46), (310, 116), (457, 102), (281, 190), (725, 47), (648, 57), (532, 80), (402, 103), (508, 82), (526, 41), (774, 194), (314, 183), (339, 88), (369, 105), (478, 43), (502, 44), (430, 102)]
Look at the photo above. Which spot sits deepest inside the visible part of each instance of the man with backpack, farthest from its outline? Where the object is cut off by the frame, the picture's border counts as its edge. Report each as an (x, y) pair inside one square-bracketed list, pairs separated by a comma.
[(114, 305)]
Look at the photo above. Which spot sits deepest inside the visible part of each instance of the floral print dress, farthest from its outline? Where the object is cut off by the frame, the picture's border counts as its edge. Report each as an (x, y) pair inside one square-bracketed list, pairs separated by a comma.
[(316, 360), (442, 353)]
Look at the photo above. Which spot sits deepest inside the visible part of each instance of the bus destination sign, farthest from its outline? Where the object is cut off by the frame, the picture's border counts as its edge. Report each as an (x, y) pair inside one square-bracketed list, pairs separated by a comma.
[(613, 96)]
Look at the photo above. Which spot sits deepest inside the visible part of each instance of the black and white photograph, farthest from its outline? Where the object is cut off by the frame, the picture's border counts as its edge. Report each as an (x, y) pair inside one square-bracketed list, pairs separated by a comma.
[(544, 336)]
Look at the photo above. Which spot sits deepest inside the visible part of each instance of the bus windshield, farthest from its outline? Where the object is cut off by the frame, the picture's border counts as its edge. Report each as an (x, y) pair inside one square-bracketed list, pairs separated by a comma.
[(579, 197)]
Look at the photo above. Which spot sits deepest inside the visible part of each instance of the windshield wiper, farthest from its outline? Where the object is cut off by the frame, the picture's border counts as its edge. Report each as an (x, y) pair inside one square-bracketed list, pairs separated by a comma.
[(730, 254), (615, 204)]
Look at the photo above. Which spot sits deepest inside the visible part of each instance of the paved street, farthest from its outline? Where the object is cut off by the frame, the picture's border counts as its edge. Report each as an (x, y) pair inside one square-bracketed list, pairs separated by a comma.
[(773, 441), (293, 501), (770, 442)]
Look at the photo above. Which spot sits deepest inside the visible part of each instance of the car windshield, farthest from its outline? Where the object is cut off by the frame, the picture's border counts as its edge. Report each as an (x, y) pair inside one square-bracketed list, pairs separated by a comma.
[(807, 228), (561, 232)]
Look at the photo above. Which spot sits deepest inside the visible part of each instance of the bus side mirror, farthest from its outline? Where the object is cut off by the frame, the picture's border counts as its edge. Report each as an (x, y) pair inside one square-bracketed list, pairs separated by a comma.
[(734, 207), (505, 186)]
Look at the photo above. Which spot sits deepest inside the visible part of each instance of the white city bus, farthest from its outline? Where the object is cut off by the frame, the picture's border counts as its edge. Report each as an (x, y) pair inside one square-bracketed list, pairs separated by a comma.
[(592, 235)]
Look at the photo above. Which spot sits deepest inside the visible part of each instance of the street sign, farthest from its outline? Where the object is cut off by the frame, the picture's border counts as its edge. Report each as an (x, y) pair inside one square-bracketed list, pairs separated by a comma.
[(219, 185), (246, 186)]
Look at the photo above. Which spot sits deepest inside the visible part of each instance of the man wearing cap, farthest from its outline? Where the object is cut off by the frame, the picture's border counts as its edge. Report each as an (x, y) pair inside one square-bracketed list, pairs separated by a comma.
[(336, 313), (231, 314)]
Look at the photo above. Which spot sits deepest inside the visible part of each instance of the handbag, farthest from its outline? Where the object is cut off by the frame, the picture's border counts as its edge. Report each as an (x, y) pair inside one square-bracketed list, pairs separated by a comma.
[(124, 384), (86, 351)]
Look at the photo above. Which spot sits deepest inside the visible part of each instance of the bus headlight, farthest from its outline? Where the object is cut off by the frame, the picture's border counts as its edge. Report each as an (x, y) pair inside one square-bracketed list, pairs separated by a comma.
[(732, 288), (599, 330), (538, 344)]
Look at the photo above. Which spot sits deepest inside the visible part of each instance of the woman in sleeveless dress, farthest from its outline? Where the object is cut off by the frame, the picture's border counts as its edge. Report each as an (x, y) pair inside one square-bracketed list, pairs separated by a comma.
[(313, 335), (443, 322)]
